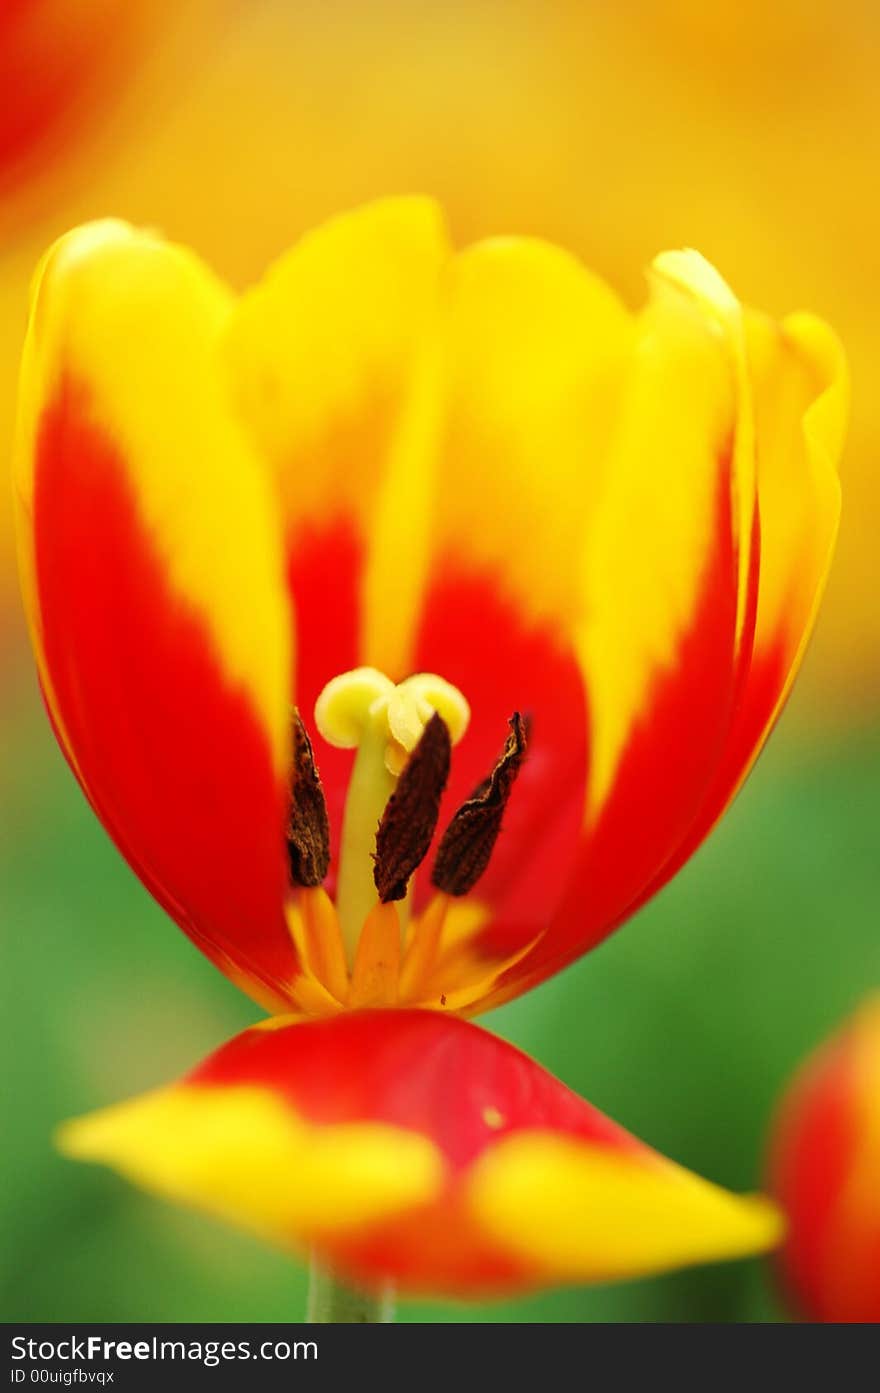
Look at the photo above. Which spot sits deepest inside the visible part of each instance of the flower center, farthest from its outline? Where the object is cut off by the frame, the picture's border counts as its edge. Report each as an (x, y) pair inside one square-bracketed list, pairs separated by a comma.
[(365, 950), (385, 722)]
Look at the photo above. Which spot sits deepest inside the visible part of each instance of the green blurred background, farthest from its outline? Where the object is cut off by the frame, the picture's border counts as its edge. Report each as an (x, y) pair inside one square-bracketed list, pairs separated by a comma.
[(237, 127)]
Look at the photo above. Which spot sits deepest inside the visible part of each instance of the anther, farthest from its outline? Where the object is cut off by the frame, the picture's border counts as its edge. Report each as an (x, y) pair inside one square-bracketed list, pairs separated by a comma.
[(308, 827), (468, 842), (410, 817)]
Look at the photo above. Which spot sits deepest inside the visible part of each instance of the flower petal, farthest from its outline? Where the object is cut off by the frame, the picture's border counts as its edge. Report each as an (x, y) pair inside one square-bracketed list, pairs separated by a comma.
[(583, 1213), (153, 579), (323, 357), (632, 680), (800, 384), (409, 1146), (535, 353), (824, 1165), (692, 735)]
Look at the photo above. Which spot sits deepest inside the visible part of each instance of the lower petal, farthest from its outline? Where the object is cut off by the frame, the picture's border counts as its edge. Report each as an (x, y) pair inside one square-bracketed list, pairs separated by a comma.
[(412, 1147)]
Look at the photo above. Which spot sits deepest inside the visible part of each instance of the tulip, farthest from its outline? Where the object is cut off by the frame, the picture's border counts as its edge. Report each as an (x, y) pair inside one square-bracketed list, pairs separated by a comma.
[(281, 552), (825, 1169), (412, 1147), (408, 621)]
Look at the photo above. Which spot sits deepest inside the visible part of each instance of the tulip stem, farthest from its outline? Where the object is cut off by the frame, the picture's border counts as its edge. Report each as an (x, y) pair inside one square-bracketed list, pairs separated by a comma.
[(333, 1302)]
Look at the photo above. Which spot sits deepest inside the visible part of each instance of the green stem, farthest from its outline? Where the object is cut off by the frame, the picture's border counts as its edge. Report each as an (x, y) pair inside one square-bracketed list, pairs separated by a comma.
[(331, 1302)]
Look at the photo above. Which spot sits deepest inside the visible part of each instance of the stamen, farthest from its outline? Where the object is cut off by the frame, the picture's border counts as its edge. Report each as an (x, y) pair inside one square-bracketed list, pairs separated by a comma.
[(376, 970), (422, 950), (410, 816), (470, 838), (308, 827), (315, 928)]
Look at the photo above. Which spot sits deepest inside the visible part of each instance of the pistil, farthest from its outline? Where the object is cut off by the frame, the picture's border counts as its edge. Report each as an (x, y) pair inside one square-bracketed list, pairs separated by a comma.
[(385, 722)]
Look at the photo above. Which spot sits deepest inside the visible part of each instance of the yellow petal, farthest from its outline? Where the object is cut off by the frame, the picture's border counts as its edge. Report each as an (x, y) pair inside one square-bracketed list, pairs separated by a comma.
[(586, 1213), (325, 357), (535, 351), (801, 387), (133, 323), (244, 1154), (694, 275), (652, 534)]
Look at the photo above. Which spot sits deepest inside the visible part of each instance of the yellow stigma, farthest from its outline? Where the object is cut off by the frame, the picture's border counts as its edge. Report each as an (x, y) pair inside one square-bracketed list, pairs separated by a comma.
[(366, 711), (365, 700)]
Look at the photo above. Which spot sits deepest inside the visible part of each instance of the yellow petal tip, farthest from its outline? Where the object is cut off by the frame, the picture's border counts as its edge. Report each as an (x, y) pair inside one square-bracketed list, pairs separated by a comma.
[(580, 1211), (688, 270)]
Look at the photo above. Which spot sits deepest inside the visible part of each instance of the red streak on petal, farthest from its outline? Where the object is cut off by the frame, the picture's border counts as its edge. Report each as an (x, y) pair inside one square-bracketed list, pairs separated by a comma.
[(439, 1248), (172, 757), (476, 638), (420, 1070), (759, 680), (663, 775), (324, 572)]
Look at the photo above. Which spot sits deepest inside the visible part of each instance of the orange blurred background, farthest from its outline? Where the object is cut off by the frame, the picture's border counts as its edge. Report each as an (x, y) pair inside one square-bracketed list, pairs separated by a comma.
[(749, 131)]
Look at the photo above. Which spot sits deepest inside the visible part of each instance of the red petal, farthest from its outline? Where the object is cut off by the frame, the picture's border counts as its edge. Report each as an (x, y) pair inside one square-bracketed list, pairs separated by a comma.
[(173, 759)]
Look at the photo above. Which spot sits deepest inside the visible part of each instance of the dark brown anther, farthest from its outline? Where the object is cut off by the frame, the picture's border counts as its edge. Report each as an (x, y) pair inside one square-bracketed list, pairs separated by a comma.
[(469, 840), (410, 816), (308, 827)]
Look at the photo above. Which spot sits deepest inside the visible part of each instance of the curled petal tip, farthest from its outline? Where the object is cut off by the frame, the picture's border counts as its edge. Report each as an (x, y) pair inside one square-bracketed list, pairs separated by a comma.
[(689, 270)]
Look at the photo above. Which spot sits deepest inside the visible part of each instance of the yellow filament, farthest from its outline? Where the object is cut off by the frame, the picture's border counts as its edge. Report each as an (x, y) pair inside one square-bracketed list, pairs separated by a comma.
[(377, 962), (421, 952), (323, 939)]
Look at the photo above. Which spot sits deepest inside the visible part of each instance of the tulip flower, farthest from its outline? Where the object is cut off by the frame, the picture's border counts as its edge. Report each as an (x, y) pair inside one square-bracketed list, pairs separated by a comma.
[(415, 1147), (282, 552), (825, 1172), (408, 621)]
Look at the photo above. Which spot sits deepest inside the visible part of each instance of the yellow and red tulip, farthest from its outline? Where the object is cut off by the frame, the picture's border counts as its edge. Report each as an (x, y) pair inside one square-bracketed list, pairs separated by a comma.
[(417, 1148), (391, 458), (825, 1173)]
